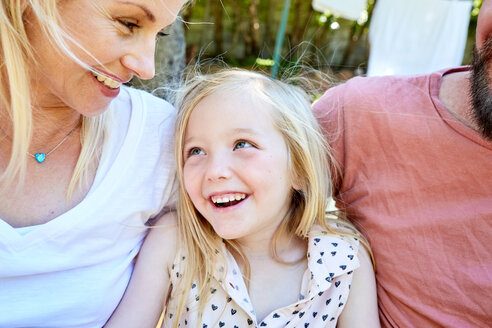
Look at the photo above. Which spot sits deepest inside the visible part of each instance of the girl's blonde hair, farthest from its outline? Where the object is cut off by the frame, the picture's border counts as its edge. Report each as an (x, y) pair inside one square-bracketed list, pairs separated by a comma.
[(311, 164), (15, 98)]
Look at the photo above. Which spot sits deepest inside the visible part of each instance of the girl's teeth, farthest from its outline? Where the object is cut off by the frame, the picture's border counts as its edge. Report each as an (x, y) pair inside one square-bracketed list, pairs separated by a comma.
[(226, 199)]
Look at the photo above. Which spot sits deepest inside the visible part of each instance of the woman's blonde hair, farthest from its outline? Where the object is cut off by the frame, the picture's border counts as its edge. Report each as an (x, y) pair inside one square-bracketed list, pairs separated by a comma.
[(310, 162), (15, 97)]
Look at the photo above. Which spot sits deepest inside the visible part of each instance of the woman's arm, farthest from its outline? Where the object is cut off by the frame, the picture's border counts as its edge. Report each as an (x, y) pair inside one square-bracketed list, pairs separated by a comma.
[(143, 301), (361, 309)]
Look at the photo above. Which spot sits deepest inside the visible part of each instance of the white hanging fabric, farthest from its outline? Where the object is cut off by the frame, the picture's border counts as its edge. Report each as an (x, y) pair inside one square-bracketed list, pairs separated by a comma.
[(350, 9), (417, 36)]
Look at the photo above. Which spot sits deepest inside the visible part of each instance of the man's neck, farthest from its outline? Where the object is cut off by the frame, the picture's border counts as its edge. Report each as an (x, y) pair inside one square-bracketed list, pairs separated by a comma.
[(454, 94)]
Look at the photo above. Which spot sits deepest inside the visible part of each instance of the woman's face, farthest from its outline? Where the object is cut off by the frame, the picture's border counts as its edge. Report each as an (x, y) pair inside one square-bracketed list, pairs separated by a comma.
[(118, 37)]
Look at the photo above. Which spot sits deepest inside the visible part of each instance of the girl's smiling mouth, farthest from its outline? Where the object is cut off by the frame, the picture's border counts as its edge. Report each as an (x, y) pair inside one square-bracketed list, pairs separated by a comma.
[(227, 200)]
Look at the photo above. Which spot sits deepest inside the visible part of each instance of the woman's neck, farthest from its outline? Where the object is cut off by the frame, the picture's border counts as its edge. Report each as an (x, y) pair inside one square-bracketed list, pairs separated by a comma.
[(51, 125), (47, 124)]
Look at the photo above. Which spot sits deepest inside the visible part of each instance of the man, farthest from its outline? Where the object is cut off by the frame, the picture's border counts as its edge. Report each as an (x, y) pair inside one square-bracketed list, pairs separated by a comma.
[(416, 176)]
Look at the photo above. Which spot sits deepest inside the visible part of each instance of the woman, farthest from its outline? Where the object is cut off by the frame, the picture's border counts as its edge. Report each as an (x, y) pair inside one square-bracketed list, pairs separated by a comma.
[(84, 161)]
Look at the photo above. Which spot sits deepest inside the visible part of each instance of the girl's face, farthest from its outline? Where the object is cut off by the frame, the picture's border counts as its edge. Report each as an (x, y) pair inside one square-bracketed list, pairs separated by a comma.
[(236, 167), (120, 34)]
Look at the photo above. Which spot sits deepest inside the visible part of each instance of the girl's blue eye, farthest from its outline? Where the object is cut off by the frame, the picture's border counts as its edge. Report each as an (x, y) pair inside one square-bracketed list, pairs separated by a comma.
[(195, 151), (242, 144)]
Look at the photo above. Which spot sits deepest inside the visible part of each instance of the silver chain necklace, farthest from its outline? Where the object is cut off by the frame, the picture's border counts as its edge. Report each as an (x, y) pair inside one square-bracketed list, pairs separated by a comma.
[(40, 157)]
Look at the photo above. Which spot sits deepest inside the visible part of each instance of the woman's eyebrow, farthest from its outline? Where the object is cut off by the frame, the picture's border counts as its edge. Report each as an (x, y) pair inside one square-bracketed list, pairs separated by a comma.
[(146, 10)]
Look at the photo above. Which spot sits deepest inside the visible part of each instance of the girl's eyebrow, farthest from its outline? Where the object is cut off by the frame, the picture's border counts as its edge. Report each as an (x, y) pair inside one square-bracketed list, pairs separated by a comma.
[(234, 131), (188, 139), (146, 10), (244, 130)]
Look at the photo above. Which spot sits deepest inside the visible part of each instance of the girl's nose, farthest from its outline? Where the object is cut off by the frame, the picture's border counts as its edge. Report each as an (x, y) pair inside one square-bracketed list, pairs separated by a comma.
[(218, 169), (141, 60)]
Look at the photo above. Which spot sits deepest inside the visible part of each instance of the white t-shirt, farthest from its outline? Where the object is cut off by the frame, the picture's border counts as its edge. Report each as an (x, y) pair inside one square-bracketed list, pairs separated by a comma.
[(73, 270), (418, 36)]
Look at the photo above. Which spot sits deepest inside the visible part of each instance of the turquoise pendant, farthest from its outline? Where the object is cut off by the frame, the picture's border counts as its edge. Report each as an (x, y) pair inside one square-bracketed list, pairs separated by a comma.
[(40, 157)]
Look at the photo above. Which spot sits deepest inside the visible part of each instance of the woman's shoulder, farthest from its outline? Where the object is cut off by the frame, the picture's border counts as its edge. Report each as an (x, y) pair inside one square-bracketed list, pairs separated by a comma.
[(147, 115), (143, 101)]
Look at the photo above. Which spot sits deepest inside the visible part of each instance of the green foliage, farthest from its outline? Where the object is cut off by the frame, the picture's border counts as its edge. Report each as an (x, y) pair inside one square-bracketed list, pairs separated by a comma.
[(249, 28)]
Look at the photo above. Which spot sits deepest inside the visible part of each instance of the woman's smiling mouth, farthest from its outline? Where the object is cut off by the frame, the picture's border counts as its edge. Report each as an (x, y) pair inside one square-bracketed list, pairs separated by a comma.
[(107, 81)]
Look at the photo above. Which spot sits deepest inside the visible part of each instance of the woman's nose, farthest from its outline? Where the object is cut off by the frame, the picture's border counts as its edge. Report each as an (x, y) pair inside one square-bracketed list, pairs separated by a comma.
[(141, 60)]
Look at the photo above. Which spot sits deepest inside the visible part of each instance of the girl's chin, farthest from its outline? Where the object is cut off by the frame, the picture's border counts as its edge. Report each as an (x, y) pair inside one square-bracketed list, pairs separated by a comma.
[(229, 235)]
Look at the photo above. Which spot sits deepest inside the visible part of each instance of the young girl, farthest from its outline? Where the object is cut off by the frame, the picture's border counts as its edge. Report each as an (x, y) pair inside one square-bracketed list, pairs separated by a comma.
[(254, 247)]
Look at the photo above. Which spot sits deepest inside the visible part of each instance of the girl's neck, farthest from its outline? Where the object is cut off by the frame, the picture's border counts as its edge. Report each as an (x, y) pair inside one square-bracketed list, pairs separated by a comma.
[(288, 249)]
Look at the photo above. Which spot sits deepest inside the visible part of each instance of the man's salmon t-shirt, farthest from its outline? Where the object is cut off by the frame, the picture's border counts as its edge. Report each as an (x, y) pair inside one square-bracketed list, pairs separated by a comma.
[(418, 183)]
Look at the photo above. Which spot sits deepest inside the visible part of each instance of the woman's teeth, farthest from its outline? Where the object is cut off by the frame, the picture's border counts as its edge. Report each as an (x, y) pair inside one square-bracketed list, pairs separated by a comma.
[(110, 83)]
